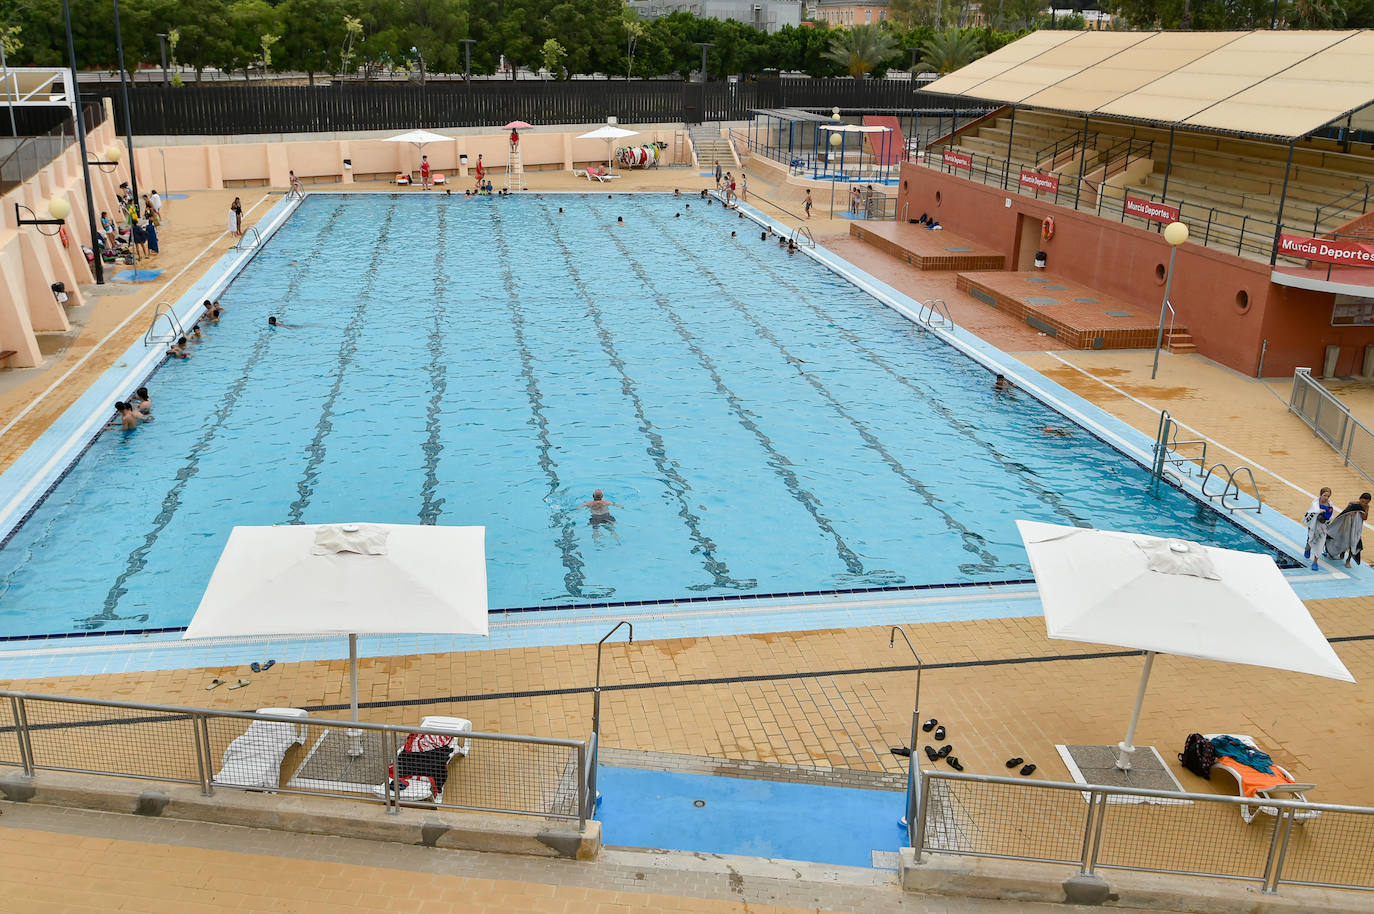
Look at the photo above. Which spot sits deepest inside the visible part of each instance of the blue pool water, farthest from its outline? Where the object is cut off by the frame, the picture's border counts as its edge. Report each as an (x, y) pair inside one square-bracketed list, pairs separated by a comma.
[(761, 424), (751, 818)]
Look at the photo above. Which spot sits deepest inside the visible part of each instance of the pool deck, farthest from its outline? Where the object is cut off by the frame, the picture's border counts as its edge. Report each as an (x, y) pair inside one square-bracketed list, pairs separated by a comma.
[(817, 698)]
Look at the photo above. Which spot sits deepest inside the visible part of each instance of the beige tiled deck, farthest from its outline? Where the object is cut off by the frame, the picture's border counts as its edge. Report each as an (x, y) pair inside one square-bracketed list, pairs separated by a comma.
[(1000, 686)]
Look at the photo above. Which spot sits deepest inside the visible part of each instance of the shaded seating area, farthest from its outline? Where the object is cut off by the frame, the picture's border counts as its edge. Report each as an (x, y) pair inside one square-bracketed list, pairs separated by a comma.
[(253, 761)]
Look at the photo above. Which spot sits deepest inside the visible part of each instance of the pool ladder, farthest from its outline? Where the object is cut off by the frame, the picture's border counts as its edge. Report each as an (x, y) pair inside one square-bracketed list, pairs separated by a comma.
[(1167, 455), (241, 243), (801, 232), (175, 331), (934, 314), (1232, 487)]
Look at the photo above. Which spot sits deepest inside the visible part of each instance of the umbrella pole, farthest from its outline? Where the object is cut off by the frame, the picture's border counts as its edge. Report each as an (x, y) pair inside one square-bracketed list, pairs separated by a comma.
[(1127, 747), (355, 736)]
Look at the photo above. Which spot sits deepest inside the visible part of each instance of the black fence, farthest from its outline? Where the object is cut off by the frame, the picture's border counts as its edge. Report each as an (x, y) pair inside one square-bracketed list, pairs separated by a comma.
[(248, 109)]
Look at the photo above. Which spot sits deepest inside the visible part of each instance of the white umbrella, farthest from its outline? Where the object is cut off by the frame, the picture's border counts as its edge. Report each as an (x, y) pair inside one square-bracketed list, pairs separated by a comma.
[(418, 138), (609, 133), (1172, 597), (347, 579)]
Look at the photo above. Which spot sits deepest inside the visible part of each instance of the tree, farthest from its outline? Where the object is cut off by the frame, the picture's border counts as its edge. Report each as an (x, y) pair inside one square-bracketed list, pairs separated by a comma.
[(862, 49), (353, 33), (949, 51), (552, 54), (634, 30)]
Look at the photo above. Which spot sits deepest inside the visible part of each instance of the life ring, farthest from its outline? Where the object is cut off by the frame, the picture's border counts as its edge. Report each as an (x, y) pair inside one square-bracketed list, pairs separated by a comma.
[(1047, 228), (62, 233)]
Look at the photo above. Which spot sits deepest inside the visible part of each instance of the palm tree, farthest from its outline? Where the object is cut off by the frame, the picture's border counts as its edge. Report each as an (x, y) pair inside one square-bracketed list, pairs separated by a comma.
[(948, 51), (862, 49)]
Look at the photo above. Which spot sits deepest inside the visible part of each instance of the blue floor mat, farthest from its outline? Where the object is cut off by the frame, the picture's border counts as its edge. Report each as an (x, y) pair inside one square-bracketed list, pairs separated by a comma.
[(136, 275), (747, 817)]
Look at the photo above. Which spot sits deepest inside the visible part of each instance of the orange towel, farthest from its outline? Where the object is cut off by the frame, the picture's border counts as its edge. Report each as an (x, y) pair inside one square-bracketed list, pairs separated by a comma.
[(1253, 781)]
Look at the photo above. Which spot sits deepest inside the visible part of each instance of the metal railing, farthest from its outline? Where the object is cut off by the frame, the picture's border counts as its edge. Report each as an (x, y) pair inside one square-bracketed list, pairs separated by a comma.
[(934, 314), (249, 240), (501, 773), (1332, 422), (1232, 487), (163, 314), (1346, 207), (1167, 449), (1148, 831), (1062, 146)]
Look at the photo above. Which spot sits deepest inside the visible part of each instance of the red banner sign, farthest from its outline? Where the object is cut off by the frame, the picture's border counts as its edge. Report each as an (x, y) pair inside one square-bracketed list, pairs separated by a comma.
[(1348, 253), (1148, 209), (959, 160), (1038, 181)]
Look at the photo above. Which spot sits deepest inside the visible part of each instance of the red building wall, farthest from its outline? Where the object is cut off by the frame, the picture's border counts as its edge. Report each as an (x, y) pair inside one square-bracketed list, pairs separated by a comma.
[(1126, 261)]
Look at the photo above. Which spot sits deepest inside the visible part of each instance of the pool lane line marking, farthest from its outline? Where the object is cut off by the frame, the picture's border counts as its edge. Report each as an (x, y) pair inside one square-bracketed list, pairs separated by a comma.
[(675, 482), (655, 684), (973, 542), (121, 325), (1254, 463), (1054, 500), (83, 430)]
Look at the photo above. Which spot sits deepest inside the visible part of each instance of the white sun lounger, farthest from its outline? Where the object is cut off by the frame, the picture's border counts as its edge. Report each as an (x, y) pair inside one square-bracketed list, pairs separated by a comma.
[(418, 788), (1248, 812), (601, 176), (253, 761)]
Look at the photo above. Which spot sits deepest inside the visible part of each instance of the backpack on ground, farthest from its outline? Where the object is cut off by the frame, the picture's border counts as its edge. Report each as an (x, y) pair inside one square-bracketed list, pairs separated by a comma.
[(1198, 755)]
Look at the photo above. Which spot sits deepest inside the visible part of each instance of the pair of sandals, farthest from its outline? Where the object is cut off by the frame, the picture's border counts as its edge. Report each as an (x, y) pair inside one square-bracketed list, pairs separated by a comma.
[(931, 752), (1026, 770)]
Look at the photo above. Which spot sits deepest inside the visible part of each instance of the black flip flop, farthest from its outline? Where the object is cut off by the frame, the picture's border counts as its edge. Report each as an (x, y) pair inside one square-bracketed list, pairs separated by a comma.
[(954, 763), (1027, 770), (939, 734), (929, 725), (901, 751), (945, 750), (932, 754), (1013, 762)]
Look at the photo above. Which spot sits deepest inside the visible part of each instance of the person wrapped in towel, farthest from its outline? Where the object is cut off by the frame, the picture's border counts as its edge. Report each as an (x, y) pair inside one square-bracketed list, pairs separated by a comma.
[(1345, 533), (421, 766), (1317, 519)]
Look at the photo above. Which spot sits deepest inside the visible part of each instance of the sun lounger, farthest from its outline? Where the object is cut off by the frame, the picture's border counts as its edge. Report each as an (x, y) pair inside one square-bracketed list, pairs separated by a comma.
[(601, 176), (402, 179), (253, 761), (422, 761), (440, 179), (1280, 785)]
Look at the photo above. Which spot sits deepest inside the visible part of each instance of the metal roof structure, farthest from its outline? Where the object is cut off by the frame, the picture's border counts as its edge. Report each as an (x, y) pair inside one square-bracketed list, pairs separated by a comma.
[(1282, 84)]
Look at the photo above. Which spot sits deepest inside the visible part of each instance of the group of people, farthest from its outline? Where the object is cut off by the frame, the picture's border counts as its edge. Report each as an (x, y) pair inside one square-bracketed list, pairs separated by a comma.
[(726, 181), (1335, 535), (131, 413), (181, 349), (134, 235)]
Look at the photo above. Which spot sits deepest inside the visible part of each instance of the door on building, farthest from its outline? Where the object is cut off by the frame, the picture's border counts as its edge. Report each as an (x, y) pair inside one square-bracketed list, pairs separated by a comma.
[(1027, 242)]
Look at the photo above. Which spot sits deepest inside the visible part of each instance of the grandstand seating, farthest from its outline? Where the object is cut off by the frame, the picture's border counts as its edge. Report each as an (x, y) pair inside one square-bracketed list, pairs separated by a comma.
[(1230, 186)]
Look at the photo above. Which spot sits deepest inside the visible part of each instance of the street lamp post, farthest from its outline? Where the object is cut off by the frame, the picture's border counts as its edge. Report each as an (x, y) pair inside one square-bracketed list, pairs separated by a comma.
[(1175, 233), (162, 43), (124, 94), (596, 709), (704, 45), (467, 60), (74, 91)]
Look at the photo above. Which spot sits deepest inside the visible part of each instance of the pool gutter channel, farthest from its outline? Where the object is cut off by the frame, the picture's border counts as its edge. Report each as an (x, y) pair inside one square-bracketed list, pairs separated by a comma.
[(24, 487)]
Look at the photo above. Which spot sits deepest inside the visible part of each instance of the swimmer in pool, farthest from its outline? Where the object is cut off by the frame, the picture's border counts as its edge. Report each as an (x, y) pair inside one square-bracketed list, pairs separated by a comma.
[(1056, 431), (273, 322), (1001, 383), (601, 515)]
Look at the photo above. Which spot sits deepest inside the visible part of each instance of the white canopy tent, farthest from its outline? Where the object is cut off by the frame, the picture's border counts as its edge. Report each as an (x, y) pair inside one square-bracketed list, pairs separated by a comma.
[(610, 133), (1172, 597), (347, 579)]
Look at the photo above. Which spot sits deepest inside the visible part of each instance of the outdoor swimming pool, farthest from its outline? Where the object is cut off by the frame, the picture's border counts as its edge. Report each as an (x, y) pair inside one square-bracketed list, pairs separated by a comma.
[(762, 425)]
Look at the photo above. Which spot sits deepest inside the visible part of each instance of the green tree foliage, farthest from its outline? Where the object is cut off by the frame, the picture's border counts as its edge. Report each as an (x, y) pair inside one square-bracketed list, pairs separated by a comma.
[(862, 49), (358, 39), (948, 51)]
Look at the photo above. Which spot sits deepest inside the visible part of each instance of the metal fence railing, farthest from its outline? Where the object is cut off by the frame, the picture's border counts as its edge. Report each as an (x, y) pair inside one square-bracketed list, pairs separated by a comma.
[(1150, 831), (1332, 422), (23, 157), (283, 753)]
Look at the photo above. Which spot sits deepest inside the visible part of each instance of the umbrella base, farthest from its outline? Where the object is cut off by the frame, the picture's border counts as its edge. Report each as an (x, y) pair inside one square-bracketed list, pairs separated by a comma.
[(343, 761), (1096, 765)]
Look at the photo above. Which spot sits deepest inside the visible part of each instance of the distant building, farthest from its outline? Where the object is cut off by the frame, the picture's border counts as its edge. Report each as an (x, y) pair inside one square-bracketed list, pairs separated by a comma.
[(765, 15), (846, 13)]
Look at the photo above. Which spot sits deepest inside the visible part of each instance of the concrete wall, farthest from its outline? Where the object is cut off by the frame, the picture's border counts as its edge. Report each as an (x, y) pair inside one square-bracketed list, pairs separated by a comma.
[(30, 261), (1126, 262), (214, 166)]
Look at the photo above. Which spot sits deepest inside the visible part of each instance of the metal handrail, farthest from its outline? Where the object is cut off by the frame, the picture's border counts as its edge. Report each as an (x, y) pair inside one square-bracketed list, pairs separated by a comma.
[(164, 309), (934, 314), (1232, 487), (1360, 193), (1072, 140), (1098, 808), (800, 232), (23, 728), (239, 242)]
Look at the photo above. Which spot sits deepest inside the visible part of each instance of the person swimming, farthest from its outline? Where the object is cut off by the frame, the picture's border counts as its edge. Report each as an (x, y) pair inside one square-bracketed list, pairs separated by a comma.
[(601, 516)]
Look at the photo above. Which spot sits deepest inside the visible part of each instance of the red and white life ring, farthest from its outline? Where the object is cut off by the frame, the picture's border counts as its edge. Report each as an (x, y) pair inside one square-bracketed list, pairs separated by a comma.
[(62, 233), (1047, 228)]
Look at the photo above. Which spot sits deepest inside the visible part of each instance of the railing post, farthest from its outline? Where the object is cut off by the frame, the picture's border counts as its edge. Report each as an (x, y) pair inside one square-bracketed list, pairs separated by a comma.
[(1101, 800), (1240, 243), (393, 783), (582, 787), (200, 727), (1278, 847), (916, 826), (21, 730)]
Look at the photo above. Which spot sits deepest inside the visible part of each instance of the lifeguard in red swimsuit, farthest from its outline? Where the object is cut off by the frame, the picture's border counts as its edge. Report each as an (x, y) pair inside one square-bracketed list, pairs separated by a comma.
[(424, 172)]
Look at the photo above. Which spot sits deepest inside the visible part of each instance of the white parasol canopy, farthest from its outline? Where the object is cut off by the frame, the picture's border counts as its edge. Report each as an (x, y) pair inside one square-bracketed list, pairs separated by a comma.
[(1172, 597), (609, 133), (336, 579), (418, 138)]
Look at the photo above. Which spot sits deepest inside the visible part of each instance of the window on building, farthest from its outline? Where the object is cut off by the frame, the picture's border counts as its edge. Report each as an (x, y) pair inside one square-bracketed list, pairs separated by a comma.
[(868, 16), (882, 15)]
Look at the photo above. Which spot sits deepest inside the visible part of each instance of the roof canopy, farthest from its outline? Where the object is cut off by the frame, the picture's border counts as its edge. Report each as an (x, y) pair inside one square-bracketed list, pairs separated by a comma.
[(1280, 84)]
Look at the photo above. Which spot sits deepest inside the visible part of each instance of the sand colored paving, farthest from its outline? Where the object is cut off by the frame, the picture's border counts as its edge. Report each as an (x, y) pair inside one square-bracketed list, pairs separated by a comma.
[(825, 699)]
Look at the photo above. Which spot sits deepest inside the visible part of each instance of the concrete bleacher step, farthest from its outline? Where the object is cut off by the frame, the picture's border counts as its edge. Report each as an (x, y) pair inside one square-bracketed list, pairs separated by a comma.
[(1179, 341)]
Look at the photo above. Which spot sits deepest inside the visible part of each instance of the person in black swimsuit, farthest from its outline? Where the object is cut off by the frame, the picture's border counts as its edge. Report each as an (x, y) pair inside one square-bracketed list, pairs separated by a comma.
[(601, 515)]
